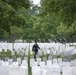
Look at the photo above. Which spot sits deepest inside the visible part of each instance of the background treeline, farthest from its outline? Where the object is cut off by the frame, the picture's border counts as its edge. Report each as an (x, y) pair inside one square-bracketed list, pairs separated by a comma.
[(53, 19)]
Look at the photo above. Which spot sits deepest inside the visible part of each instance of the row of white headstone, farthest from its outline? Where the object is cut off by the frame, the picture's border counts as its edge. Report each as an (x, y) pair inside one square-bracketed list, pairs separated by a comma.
[(38, 67), (13, 68), (45, 48), (55, 61), (52, 68)]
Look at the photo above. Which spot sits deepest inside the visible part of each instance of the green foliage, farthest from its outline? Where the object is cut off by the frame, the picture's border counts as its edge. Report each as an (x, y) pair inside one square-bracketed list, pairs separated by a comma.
[(6, 15), (23, 20), (64, 12), (16, 4), (15, 33), (1, 34), (10, 20), (64, 31), (45, 27)]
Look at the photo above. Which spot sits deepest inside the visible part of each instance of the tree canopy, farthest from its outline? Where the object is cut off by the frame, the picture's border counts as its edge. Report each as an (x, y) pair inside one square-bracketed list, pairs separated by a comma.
[(64, 11), (21, 19)]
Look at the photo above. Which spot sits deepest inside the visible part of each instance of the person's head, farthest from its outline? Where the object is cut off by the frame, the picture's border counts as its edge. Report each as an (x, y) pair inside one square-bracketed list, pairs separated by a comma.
[(35, 41)]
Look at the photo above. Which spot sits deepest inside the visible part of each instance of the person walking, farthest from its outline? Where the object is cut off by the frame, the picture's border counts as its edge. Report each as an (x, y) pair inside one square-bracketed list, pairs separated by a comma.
[(35, 49)]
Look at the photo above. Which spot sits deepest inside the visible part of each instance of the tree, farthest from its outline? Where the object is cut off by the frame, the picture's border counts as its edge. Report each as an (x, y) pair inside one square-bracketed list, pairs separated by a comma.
[(64, 31), (9, 17), (16, 4), (15, 33), (45, 27), (63, 10), (1, 34)]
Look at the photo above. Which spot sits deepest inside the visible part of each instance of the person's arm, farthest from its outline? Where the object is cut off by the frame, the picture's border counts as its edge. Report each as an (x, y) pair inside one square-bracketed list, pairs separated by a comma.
[(38, 47)]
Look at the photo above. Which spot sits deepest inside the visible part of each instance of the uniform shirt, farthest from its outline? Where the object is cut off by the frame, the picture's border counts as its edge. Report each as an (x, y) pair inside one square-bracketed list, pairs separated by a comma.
[(35, 48)]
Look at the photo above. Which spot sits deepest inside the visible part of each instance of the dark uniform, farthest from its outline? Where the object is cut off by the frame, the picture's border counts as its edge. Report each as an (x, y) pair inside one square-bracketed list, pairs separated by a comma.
[(35, 49)]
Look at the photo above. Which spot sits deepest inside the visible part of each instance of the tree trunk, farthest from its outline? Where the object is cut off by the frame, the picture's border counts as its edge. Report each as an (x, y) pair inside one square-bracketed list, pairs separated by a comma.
[(71, 39)]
